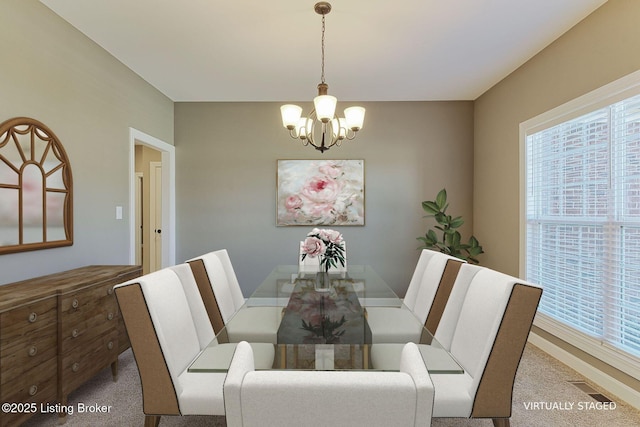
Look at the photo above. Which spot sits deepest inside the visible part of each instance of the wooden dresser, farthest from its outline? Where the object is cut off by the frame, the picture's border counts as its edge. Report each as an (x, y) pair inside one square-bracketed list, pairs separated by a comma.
[(56, 332)]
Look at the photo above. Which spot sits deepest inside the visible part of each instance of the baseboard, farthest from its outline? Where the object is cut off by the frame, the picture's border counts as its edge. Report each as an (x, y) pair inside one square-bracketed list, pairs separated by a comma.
[(610, 384)]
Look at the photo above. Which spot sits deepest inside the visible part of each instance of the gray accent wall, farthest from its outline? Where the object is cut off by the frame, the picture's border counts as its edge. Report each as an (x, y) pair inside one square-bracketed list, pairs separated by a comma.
[(53, 73), (226, 156)]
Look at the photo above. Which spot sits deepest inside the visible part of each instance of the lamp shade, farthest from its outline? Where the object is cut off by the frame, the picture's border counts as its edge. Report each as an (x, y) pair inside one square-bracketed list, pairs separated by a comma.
[(305, 127), (339, 128), (290, 115), (325, 106), (354, 117)]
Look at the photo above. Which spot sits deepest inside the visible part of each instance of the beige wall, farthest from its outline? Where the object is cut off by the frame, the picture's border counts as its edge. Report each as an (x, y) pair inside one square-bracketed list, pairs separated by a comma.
[(53, 73), (226, 177), (601, 49)]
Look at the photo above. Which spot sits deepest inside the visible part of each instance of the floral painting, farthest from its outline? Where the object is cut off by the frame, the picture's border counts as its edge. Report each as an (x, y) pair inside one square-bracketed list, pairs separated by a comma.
[(320, 192)]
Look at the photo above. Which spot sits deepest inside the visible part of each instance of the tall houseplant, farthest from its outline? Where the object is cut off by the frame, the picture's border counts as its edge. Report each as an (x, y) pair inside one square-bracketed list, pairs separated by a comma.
[(447, 238)]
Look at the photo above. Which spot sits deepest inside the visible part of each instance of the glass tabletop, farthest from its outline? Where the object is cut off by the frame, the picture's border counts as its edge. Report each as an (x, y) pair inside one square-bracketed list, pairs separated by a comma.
[(369, 287), (323, 327)]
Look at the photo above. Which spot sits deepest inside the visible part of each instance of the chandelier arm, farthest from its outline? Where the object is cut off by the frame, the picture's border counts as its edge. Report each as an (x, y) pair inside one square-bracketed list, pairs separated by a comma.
[(350, 134)]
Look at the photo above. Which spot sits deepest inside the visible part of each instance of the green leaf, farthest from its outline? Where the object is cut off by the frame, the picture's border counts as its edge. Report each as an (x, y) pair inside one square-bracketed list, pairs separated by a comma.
[(430, 207), (456, 222), (441, 199), (441, 218)]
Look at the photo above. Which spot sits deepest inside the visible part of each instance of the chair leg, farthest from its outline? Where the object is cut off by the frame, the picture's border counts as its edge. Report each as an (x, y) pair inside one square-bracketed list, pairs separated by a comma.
[(151, 420), (501, 422)]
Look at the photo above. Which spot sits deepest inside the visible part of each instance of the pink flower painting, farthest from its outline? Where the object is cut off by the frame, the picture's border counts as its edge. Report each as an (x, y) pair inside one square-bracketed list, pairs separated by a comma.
[(320, 192)]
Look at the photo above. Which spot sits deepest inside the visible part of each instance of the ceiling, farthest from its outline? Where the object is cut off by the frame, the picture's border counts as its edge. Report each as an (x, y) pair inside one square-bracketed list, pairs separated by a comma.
[(242, 50)]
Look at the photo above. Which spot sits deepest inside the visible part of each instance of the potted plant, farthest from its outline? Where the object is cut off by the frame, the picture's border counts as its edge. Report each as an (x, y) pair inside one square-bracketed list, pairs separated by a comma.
[(447, 238)]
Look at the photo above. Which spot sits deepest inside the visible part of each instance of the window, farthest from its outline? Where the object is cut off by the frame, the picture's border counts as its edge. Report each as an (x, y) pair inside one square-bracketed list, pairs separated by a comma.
[(582, 222)]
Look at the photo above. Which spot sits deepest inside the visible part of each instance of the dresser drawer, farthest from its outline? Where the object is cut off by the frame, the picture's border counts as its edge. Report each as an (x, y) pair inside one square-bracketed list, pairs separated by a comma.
[(27, 321), (28, 338), (80, 330), (86, 300), (123, 338), (39, 384), (83, 362)]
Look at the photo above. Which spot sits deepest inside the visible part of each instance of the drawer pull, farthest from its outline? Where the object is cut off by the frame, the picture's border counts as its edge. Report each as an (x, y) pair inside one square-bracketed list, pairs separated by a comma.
[(33, 317), (33, 390), (110, 291), (110, 345), (74, 333), (75, 303), (33, 350), (110, 316), (75, 367)]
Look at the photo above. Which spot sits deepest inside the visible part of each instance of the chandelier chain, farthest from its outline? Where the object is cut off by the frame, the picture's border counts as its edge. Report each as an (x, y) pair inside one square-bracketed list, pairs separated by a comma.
[(322, 63)]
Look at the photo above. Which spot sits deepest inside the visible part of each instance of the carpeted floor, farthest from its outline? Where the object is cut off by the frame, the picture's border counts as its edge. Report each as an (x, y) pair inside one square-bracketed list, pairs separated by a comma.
[(543, 397)]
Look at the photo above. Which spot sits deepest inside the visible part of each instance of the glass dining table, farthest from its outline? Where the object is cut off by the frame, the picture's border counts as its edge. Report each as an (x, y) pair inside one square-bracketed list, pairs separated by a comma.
[(323, 325)]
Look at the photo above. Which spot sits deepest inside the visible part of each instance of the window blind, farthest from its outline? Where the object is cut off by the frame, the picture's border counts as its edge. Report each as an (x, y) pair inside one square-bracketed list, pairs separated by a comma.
[(583, 222)]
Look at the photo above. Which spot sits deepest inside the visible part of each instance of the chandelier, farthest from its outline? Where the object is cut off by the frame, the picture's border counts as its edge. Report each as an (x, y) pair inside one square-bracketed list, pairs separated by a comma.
[(321, 128)]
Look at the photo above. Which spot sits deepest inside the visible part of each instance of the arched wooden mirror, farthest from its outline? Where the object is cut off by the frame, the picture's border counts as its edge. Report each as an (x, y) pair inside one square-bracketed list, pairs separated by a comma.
[(36, 191)]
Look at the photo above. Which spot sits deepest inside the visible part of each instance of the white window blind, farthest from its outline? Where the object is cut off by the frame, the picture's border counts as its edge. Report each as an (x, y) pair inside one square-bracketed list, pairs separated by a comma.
[(583, 223)]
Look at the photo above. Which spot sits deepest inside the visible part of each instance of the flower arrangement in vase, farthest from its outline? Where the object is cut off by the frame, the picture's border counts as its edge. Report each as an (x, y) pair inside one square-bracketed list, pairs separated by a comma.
[(328, 246)]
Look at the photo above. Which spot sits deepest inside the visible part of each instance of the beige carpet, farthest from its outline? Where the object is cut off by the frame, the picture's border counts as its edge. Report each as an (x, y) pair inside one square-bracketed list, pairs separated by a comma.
[(541, 379)]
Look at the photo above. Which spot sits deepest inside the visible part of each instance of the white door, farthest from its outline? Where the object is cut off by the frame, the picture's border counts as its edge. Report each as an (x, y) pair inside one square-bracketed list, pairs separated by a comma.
[(155, 216), (139, 219)]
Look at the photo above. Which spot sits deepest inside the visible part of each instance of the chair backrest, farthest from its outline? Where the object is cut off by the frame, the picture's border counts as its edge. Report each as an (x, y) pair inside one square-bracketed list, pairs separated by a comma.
[(218, 286), (327, 398), (485, 327), (203, 326), (164, 338), (432, 279), (311, 264)]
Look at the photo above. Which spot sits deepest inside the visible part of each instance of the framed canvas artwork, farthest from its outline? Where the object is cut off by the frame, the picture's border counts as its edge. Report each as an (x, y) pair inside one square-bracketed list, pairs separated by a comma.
[(320, 192)]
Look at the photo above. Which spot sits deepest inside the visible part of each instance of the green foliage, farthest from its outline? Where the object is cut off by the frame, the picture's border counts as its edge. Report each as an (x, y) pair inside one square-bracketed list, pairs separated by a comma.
[(447, 238)]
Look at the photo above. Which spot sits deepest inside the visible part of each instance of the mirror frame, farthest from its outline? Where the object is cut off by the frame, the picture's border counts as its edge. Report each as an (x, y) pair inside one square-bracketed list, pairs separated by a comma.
[(10, 131)]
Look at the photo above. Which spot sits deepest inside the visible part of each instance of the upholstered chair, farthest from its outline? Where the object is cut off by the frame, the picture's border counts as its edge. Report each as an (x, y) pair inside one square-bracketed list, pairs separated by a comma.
[(218, 347), (424, 300), (311, 265), (328, 398), (484, 326), (165, 341), (223, 300)]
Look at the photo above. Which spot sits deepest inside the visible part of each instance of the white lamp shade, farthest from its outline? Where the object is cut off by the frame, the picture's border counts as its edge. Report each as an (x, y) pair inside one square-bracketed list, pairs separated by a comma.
[(325, 107), (304, 127), (339, 127), (354, 117), (290, 115)]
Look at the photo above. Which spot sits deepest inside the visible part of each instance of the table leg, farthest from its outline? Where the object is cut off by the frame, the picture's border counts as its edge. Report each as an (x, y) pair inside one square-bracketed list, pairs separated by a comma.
[(283, 356), (365, 356)]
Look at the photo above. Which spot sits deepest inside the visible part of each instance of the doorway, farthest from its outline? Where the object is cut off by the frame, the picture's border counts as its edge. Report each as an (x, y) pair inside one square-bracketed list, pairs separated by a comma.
[(152, 208)]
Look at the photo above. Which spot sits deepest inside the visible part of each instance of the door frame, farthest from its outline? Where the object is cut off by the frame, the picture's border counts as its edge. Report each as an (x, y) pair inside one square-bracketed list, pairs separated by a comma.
[(167, 151)]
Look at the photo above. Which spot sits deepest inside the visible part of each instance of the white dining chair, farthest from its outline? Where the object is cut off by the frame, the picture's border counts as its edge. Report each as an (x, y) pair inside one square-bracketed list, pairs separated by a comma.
[(485, 327), (423, 303), (224, 300), (165, 340), (328, 398)]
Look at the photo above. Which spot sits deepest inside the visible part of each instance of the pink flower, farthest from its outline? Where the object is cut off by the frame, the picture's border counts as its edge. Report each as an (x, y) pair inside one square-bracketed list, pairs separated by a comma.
[(293, 202), (332, 236), (313, 247), (321, 190), (330, 170)]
